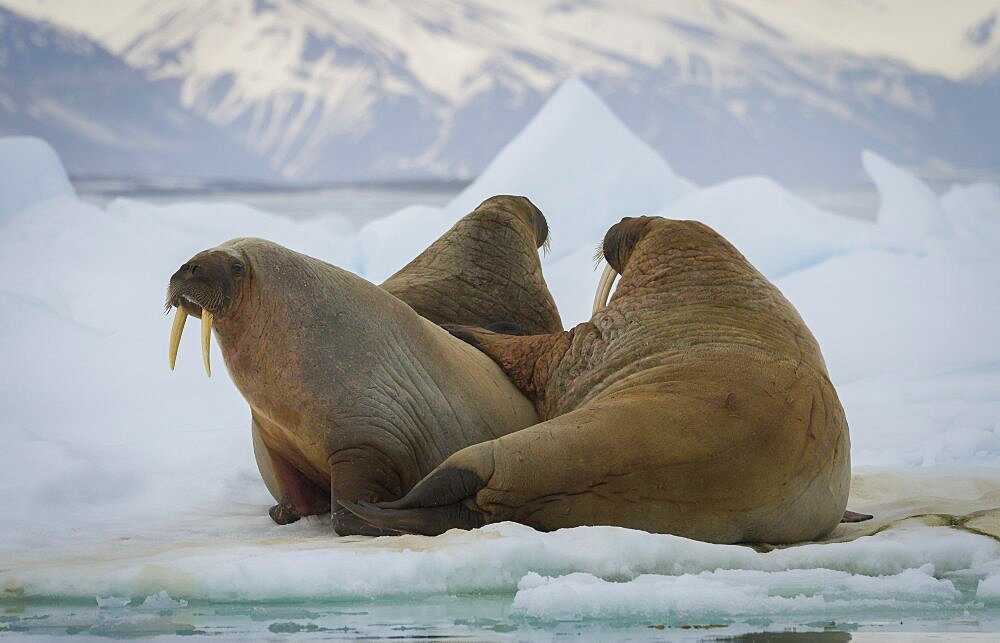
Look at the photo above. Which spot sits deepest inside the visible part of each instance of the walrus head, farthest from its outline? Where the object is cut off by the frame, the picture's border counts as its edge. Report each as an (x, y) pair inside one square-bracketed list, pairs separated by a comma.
[(207, 286), (616, 248)]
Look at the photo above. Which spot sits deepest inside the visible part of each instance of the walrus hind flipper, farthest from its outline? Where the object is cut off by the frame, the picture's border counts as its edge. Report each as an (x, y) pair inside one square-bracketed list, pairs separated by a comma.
[(506, 328), (347, 523), (283, 514), (436, 504), (853, 516)]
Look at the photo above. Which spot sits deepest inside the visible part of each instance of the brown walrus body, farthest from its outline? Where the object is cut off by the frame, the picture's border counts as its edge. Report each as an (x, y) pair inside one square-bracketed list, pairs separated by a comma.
[(697, 403), (354, 396), (484, 271)]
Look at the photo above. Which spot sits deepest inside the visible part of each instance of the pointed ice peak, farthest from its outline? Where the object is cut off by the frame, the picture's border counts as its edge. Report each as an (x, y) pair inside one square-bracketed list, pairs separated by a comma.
[(909, 212), (581, 166), (30, 172)]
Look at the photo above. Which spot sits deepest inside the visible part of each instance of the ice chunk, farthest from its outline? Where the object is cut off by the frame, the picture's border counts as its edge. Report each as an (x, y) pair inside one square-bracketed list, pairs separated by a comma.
[(581, 166), (30, 172), (315, 566), (989, 589), (161, 600), (974, 211), (388, 244), (776, 230), (879, 312), (729, 594), (112, 601), (909, 212)]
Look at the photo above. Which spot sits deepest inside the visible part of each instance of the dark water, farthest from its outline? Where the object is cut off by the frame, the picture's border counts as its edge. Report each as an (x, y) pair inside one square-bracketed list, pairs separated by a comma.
[(447, 617)]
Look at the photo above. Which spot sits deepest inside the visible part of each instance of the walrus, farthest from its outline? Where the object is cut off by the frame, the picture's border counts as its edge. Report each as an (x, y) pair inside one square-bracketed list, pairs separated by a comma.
[(484, 271), (696, 402), (355, 392)]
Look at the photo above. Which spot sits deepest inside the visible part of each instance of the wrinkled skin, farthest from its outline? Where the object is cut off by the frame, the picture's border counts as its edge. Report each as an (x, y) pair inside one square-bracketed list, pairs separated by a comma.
[(484, 271), (696, 403), (353, 395)]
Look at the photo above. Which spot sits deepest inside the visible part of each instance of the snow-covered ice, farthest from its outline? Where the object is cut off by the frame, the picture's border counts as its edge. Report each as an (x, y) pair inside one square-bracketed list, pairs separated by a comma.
[(30, 172), (126, 482)]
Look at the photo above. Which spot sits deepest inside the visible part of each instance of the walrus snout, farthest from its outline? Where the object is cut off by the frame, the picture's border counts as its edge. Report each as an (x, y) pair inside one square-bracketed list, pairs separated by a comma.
[(205, 287), (207, 281), (621, 239)]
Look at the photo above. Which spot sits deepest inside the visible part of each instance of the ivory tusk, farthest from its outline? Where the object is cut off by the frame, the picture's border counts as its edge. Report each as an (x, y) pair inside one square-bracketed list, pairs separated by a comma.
[(175, 334), (206, 339), (604, 289)]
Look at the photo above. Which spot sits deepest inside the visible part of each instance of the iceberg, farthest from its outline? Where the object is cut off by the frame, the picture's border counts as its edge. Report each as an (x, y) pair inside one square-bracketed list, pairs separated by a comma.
[(581, 166), (30, 173), (909, 214)]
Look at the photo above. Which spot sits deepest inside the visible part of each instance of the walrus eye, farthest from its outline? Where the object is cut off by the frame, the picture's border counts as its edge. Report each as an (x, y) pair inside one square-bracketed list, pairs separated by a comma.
[(237, 268)]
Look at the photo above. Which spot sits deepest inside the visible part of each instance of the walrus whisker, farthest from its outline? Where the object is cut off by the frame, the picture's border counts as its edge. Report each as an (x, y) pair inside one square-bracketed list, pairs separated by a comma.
[(598, 255)]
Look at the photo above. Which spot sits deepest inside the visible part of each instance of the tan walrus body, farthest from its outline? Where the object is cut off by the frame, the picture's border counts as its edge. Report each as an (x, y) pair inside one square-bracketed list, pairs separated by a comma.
[(354, 396), (696, 403)]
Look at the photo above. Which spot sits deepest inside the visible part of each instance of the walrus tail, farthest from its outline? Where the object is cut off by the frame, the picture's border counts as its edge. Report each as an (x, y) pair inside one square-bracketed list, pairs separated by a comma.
[(439, 502)]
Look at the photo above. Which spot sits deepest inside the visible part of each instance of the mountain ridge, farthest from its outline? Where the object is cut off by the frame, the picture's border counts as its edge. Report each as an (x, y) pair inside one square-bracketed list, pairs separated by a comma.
[(398, 91)]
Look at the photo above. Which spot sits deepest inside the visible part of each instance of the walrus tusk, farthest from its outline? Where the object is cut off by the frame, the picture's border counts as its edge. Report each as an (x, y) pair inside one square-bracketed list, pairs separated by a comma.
[(175, 334), (604, 288), (206, 339)]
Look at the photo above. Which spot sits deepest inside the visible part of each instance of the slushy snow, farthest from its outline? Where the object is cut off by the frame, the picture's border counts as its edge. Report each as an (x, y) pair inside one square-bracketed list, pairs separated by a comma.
[(127, 482)]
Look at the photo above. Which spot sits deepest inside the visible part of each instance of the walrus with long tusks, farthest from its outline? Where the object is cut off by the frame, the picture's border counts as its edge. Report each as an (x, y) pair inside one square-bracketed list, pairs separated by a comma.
[(355, 396), (696, 403)]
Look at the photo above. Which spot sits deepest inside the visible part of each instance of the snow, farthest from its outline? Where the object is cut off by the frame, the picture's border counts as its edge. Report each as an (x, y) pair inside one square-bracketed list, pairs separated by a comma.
[(974, 210), (909, 214), (793, 235), (30, 172), (126, 482), (239, 556), (722, 593)]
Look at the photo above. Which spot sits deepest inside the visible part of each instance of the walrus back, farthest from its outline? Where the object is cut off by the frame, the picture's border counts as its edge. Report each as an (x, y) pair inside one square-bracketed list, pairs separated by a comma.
[(483, 271)]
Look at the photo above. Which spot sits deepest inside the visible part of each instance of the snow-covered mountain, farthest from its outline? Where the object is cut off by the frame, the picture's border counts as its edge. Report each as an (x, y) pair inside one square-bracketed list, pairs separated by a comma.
[(382, 89), (103, 116)]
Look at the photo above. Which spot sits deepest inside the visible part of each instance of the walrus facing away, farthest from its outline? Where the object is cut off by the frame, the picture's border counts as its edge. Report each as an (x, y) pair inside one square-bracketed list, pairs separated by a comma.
[(484, 271), (353, 395), (696, 403)]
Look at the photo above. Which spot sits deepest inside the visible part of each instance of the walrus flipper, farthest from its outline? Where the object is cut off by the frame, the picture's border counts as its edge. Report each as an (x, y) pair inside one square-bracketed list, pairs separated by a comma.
[(437, 504), (427, 521), (853, 516)]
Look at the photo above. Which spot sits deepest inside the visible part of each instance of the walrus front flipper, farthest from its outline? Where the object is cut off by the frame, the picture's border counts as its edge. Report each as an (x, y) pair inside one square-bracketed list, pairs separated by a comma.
[(443, 500)]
